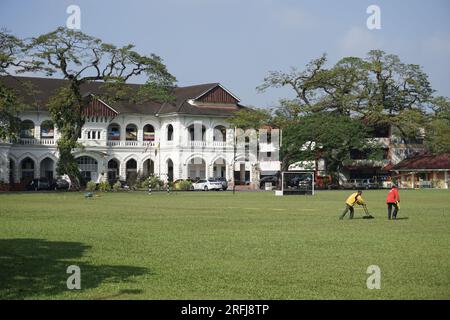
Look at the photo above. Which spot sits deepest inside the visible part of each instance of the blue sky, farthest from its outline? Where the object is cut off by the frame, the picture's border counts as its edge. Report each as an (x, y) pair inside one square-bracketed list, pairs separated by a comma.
[(236, 42)]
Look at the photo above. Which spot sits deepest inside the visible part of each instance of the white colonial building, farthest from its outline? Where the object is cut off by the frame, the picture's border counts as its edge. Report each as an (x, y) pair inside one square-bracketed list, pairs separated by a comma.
[(188, 138)]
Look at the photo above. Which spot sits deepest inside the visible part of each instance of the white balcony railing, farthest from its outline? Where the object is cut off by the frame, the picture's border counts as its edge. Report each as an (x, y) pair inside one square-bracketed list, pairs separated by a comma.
[(197, 144), (124, 143), (28, 141), (48, 142), (33, 141), (219, 144)]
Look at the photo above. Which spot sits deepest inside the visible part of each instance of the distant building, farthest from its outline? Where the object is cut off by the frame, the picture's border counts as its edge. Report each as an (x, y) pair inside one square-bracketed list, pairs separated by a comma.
[(189, 138), (423, 171)]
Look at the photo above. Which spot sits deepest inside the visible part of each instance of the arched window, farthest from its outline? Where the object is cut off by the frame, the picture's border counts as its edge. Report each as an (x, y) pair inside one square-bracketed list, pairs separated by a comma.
[(47, 168), (148, 167), (220, 133), (197, 132), (88, 168), (197, 168), (113, 170), (149, 133), (27, 170), (12, 169), (131, 171), (27, 129), (113, 132), (47, 130), (169, 170), (169, 132), (131, 132), (247, 148)]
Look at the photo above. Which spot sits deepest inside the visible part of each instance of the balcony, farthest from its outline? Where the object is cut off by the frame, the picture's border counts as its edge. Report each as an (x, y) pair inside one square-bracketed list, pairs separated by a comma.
[(33, 141), (128, 144), (197, 144)]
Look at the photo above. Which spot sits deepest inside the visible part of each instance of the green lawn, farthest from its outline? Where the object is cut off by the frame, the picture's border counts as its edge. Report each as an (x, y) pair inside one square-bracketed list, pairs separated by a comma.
[(214, 245)]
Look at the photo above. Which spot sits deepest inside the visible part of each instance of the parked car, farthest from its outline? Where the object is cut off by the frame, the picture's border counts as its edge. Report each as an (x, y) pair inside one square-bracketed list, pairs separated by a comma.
[(39, 184), (60, 184), (223, 181), (207, 185), (123, 185), (370, 184), (271, 179), (300, 181), (353, 184), (305, 183)]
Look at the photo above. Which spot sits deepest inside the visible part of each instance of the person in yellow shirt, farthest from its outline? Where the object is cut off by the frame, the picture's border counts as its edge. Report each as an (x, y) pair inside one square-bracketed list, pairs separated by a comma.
[(355, 198)]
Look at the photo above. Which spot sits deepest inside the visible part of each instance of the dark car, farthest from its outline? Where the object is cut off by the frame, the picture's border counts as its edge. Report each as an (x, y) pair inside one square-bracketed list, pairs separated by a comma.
[(39, 184), (305, 183), (370, 184), (300, 181), (271, 179), (60, 184), (223, 181)]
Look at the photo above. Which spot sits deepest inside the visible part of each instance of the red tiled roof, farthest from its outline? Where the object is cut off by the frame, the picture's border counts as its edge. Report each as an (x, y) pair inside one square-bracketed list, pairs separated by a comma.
[(424, 162)]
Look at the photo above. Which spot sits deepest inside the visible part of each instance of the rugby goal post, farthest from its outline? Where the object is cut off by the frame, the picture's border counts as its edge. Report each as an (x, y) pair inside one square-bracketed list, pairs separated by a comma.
[(297, 183)]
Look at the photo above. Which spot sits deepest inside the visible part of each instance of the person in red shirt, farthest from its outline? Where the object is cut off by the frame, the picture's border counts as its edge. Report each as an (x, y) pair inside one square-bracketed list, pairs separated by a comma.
[(392, 200)]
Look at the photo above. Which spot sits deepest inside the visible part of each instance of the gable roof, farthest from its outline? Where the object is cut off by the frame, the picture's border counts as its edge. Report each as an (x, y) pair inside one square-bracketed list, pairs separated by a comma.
[(424, 162), (36, 92)]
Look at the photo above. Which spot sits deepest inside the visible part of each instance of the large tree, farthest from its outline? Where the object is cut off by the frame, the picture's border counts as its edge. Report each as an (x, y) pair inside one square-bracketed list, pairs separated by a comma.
[(80, 58), (437, 131), (380, 88), (326, 135), (11, 56), (335, 108)]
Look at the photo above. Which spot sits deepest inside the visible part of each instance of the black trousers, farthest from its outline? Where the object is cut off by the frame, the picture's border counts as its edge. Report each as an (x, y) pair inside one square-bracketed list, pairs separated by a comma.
[(347, 209), (394, 214)]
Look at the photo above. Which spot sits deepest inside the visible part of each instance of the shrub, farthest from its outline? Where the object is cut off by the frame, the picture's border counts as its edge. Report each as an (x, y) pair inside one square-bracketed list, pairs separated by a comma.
[(90, 186), (155, 182), (117, 186), (4, 186), (144, 183), (183, 185), (104, 186)]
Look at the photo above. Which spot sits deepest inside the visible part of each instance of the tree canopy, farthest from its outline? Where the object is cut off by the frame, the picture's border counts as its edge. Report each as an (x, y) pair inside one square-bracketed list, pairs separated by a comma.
[(336, 108), (81, 58)]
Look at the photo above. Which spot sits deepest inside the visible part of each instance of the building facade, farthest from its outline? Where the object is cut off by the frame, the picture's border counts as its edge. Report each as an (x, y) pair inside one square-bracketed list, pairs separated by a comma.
[(186, 138)]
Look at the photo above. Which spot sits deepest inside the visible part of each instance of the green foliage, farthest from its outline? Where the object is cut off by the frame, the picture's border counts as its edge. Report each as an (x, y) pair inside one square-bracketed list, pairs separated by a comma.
[(155, 182), (91, 186), (117, 186), (183, 185), (437, 135), (9, 109), (81, 58), (380, 88), (326, 135), (335, 108), (11, 56), (250, 118), (104, 186)]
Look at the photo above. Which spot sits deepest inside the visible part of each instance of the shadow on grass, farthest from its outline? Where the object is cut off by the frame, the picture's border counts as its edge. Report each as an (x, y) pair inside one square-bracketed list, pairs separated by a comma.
[(37, 268)]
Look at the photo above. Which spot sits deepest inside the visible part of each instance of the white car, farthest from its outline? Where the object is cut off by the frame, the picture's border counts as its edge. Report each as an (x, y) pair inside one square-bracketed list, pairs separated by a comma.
[(207, 185)]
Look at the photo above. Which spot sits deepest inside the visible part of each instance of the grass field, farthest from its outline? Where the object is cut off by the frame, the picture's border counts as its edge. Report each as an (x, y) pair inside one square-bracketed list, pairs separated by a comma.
[(214, 245)]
